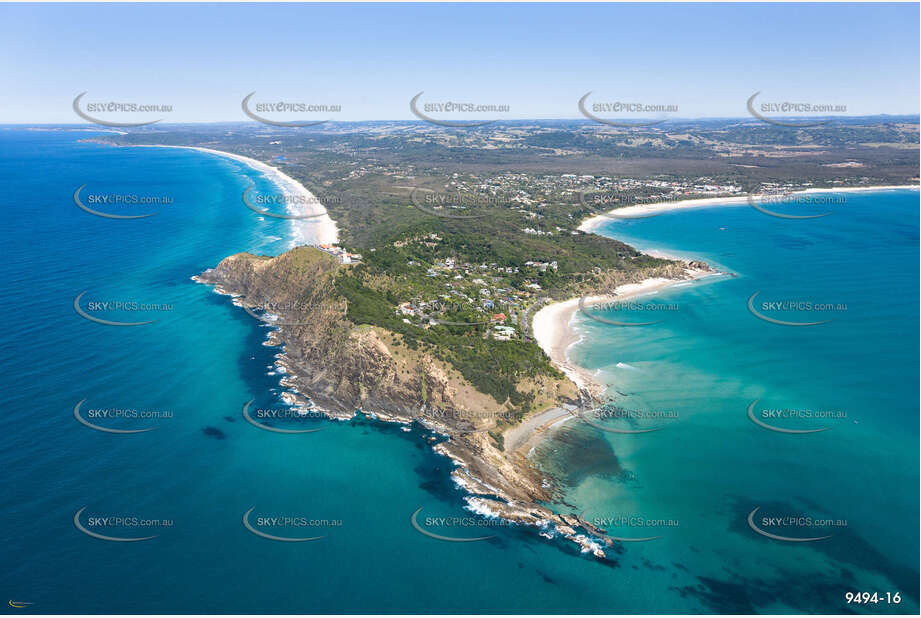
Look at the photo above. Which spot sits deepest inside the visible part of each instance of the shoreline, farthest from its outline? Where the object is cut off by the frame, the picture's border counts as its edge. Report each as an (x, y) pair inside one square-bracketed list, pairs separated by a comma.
[(552, 324), (554, 333), (322, 230), (639, 211), (483, 494)]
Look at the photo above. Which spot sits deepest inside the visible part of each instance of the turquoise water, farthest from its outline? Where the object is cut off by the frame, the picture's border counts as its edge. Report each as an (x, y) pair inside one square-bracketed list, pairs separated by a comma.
[(204, 466), (708, 357)]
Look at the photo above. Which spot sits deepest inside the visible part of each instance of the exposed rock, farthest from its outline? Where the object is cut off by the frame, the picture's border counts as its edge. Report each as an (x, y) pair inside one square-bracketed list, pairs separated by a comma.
[(343, 367)]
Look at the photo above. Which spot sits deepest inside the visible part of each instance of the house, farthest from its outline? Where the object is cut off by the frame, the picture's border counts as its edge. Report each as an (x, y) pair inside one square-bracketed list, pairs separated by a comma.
[(503, 333), (407, 309)]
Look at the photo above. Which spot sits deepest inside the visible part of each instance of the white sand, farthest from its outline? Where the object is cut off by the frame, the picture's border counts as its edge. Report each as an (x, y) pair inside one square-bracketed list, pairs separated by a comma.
[(554, 333), (552, 324), (644, 210), (521, 434), (298, 200)]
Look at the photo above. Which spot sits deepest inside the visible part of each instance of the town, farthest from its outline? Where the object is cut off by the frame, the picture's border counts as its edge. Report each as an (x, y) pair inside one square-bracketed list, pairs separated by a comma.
[(497, 295)]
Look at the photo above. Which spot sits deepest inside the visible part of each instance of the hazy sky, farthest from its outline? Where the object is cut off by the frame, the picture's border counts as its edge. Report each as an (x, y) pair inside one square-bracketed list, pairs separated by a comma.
[(538, 59)]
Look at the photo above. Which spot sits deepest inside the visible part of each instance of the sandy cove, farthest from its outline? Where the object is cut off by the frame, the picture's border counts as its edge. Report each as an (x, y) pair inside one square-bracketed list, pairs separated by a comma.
[(552, 324), (314, 231), (554, 334), (640, 211), (551, 328)]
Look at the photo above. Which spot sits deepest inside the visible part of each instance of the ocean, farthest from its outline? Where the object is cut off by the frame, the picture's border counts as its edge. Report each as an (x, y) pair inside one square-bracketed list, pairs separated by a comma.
[(190, 481), (852, 382)]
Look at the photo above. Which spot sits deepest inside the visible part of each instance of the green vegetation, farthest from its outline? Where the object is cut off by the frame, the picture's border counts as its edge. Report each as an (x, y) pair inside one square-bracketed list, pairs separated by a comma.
[(468, 277), (361, 171), (537, 180)]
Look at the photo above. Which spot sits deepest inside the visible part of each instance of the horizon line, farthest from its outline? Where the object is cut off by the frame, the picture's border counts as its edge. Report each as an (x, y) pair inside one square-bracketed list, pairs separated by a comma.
[(492, 122)]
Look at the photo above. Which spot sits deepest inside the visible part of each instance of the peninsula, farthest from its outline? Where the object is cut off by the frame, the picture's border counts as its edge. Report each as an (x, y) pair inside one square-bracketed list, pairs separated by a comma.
[(437, 288)]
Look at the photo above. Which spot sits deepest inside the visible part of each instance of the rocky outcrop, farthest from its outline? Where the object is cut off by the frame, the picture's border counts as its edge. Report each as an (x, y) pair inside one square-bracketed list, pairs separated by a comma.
[(341, 367)]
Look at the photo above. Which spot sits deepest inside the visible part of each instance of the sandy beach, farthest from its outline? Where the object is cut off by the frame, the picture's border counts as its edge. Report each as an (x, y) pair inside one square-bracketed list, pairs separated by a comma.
[(554, 334), (299, 201), (644, 210), (552, 324), (523, 434)]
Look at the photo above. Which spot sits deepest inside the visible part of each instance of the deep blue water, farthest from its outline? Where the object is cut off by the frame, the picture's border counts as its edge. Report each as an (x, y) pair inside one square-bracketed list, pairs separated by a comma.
[(708, 358), (204, 466)]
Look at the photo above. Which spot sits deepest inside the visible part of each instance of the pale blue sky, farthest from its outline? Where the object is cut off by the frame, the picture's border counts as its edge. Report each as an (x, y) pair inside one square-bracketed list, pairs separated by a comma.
[(538, 59)]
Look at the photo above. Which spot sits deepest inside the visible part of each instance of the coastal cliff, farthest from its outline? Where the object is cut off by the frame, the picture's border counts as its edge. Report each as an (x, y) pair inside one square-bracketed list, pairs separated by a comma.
[(343, 368)]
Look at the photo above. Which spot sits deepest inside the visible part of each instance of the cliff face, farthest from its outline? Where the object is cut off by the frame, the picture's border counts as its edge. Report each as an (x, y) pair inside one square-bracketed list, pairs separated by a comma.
[(607, 281), (344, 367)]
